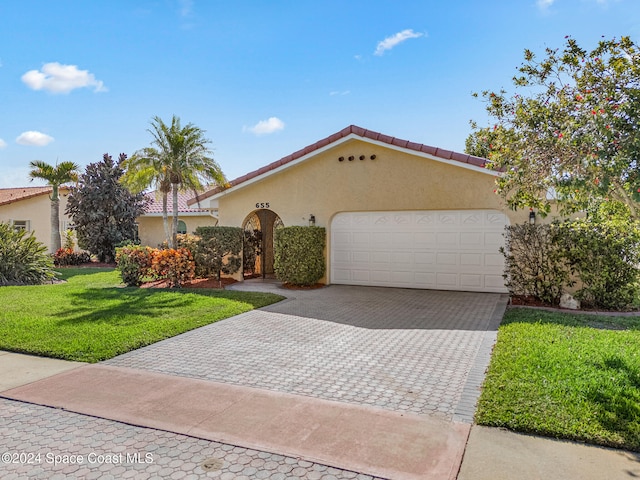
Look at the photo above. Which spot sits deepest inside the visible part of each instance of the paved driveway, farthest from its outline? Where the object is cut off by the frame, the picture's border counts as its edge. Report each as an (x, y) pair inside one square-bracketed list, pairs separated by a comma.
[(420, 351)]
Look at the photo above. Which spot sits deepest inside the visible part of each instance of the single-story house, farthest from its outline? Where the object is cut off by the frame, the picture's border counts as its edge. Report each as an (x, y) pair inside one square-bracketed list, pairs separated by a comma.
[(29, 208), (397, 213), (151, 229)]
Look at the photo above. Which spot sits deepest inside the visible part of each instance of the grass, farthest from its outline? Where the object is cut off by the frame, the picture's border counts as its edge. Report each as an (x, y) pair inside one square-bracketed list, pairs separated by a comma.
[(567, 376), (91, 317)]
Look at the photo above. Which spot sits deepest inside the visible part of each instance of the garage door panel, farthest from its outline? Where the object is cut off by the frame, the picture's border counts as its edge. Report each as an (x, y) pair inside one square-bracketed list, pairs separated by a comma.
[(493, 260), (447, 280), (360, 257), (424, 258), (446, 258), (471, 259), (470, 281), (449, 250), (447, 238), (471, 239)]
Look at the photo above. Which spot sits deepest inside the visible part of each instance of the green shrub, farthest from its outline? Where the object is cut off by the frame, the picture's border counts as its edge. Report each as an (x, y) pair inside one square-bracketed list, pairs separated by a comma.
[(299, 254), (534, 262), (604, 253), (134, 263), (601, 251), (23, 260), (218, 250)]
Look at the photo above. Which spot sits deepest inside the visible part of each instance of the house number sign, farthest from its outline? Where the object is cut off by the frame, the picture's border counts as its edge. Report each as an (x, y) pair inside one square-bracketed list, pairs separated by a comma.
[(262, 205)]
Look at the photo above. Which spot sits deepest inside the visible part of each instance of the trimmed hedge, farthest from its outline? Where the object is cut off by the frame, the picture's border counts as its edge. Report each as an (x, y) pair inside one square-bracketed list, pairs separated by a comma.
[(299, 255), (219, 249)]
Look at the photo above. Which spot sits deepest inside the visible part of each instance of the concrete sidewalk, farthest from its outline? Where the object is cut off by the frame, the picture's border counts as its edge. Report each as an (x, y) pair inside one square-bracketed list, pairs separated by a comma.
[(359, 438)]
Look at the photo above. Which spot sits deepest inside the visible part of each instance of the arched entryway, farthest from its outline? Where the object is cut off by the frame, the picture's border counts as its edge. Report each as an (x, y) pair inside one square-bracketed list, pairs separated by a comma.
[(259, 228)]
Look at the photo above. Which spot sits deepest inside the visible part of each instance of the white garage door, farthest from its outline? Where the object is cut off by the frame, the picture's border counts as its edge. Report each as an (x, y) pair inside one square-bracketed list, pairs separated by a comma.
[(442, 250)]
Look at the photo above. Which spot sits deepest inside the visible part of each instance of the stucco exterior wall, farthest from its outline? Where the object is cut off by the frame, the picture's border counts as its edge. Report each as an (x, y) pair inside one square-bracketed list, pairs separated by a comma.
[(394, 180), (37, 210), (151, 230)]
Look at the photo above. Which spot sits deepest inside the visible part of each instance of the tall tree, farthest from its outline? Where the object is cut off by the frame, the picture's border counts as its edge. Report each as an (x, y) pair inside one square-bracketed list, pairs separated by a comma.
[(178, 159), (571, 133), (61, 174), (103, 210)]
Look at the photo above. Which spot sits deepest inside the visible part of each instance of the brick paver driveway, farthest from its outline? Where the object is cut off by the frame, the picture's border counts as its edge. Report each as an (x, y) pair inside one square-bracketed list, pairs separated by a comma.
[(405, 350)]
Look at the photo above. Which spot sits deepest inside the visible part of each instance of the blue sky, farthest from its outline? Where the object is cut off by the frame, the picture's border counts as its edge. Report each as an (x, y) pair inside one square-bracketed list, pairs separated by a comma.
[(265, 78)]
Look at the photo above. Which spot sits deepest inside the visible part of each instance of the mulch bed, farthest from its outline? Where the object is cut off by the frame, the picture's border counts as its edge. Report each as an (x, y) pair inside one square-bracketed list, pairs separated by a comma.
[(195, 283)]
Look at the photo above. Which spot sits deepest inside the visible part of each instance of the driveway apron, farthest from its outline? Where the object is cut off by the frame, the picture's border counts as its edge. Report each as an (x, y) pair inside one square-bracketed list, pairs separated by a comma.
[(373, 381), (397, 349)]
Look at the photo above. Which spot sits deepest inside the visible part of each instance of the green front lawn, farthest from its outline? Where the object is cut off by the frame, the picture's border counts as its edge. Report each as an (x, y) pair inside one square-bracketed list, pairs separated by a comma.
[(567, 376), (92, 317)]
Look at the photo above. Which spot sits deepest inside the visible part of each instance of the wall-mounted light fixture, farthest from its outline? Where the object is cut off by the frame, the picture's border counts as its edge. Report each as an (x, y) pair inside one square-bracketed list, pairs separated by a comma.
[(532, 217), (312, 220)]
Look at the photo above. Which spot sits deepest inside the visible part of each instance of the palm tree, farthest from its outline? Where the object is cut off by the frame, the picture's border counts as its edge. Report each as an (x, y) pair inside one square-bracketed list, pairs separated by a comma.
[(178, 160), (62, 173), (143, 169)]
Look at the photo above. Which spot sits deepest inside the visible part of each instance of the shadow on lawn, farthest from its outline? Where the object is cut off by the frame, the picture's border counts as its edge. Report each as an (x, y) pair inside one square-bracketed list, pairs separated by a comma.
[(619, 405), (124, 306)]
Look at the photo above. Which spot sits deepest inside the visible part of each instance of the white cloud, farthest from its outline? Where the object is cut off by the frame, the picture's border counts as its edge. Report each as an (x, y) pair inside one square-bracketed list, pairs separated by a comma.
[(3, 144), (186, 7), (263, 127), (57, 78), (390, 42), (339, 92), (544, 4), (35, 139)]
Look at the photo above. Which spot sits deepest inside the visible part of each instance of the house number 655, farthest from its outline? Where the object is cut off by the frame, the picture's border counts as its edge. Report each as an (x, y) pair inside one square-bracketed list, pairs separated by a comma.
[(262, 205)]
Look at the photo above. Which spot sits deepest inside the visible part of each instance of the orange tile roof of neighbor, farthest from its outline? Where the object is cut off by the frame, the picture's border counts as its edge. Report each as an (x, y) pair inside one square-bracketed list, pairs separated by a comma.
[(361, 132), (10, 195), (155, 206)]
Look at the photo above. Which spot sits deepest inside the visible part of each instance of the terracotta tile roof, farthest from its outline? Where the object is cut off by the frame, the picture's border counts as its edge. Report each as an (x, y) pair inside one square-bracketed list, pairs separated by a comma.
[(155, 205), (361, 132), (10, 195)]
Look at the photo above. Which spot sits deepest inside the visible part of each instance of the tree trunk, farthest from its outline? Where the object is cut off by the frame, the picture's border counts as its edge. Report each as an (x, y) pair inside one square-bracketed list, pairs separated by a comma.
[(165, 219), (55, 220), (174, 223)]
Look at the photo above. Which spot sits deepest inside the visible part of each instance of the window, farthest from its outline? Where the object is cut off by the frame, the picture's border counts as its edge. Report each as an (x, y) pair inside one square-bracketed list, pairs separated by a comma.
[(67, 225), (21, 225), (182, 227)]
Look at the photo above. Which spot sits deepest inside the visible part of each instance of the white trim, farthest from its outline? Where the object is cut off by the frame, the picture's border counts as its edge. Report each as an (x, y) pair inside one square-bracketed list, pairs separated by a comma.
[(353, 136)]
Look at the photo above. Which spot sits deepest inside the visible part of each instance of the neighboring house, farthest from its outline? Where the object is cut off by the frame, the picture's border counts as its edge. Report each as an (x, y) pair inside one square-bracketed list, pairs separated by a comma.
[(397, 213), (29, 208), (151, 229)]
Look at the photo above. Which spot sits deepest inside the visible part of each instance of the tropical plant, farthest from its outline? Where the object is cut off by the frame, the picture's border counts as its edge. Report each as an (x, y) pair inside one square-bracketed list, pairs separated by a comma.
[(175, 265), (23, 260), (570, 132), (61, 174), (177, 160), (103, 210), (134, 263)]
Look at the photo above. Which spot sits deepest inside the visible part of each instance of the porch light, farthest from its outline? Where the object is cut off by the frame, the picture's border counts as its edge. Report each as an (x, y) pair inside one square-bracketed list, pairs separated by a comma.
[(312, 220), (532, 217)]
